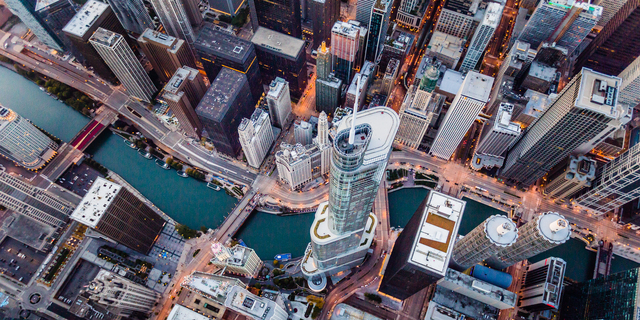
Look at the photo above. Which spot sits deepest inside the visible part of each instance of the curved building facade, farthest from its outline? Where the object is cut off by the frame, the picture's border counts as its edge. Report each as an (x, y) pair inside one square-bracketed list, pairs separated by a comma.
[(491, 236), (22, 142)]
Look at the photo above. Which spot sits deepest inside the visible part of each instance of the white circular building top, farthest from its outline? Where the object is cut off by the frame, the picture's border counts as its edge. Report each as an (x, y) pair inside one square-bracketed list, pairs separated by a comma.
[(554, 227), (500, 230)]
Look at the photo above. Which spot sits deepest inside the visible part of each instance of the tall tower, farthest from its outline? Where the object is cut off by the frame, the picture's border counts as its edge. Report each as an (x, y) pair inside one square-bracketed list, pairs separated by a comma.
[(483, 35), (630, 87), (323, 61), (327, 84), (586, 111), (324, 15), (345, 39), (182, 93), (344, 226), (25, 10), (165, 53), (279, 102), (378, 27), (496, 138), (323, 129), (132, 14), (124, 64), (469, 101), (543, 285), (279, 15), (56, 14), (112, 290), (174, 18), (574, 175), (540, 234), (22, 142), (323, 144), (484, 241), (256, 137)]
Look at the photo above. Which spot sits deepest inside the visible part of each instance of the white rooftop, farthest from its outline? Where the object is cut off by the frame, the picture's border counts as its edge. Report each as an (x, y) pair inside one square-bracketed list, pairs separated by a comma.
[(384, 123), (241, 300), (501, 230), (554, 227), (433, 244), (446, 45), (278, 42), (503, 120), (183, 313), (451, 81), (95, 202), (599, 92), (492, 15), (346, 312), (179, 77), (84, 19), (345, 29), (41, 4), (477, 86), (213, 286)]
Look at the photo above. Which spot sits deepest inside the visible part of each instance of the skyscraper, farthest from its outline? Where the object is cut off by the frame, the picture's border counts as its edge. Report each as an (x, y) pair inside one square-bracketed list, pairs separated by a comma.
[(173, 16), (327, 84), (345, 39), (571, 176), (363, 11), (23, 143), (495, 139), (56, 14), (256, 137), (543, 285), (280, 15), (132, 14), (484, 33), (182, 93), (25, 10), (228, 7), (165, 53), (586, 111), (469, 101), (279, 102), (630, 87), (251, 306), (378, 27), (484, 241), (115, 51), (411, 12), (459, 18), (324, 15), (422, 252), (540, 234), (115, 212), (238, 260), (112, 290), (192, 9), (344, 226)]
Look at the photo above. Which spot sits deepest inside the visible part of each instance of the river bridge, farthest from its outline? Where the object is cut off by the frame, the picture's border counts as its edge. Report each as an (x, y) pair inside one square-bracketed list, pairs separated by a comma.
[(603, 259)]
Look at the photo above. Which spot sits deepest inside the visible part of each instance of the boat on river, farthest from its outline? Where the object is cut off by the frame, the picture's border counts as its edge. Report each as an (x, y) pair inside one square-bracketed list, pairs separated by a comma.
[(213, 186), (145, 154), (162, 164), (130, 144), (183, 174)]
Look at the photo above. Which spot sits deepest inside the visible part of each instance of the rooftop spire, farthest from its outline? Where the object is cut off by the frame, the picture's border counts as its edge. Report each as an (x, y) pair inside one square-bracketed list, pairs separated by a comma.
[(352, 133)]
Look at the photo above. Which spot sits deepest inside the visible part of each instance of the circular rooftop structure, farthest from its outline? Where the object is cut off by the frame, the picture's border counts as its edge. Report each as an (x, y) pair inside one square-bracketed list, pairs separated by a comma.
[(317, 282), (554, 227), (501, 230)]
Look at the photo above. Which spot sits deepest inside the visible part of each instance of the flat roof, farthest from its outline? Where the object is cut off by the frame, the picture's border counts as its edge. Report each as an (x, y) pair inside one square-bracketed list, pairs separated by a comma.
[(345, 29), (451, 81), (346, 312), (179, 77), (222, 44), (477, 86), (245, 302), (446, 44), (501, 230), (221, 94), (279, 42), (432, 246), (41, 4), (158, 37), (493, 14), (276, 87), (503, 120), (384, 123), (86, 16), (599, 92), (542, 71), (96, 202), (183, 313), (212, 286), (105, 37), (553, 226)]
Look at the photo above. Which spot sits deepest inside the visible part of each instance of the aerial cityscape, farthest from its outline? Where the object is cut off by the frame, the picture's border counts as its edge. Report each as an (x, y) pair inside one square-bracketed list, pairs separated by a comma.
[(320, 159)]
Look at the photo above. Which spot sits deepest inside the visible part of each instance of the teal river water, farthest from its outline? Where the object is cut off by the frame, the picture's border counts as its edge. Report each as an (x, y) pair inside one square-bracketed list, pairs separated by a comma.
[(190, 202)]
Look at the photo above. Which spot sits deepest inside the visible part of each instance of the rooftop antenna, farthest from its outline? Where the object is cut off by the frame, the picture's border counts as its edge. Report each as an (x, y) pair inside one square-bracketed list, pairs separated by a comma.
[(352, 133)]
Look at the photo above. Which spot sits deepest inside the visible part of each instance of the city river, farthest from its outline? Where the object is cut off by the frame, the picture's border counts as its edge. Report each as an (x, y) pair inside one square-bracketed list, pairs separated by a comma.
[(190, 202)]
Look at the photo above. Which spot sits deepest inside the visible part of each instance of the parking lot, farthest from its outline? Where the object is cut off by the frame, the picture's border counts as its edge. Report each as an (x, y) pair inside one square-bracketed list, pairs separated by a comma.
[(19, 261), (78, 179)]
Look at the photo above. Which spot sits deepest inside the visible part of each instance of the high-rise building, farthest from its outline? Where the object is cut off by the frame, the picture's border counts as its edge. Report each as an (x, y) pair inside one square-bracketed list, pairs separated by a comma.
[(222, 108), (283, 56), (517, 61), (345, 39), (630, 87), (484, 241), (397, 46), (324, 14), (256, 137), (543, 285), (246, 303), (324, 64), (23, 143), (56, 14), (280, 15), (617, 45), (112, 290), (33, 202), (165, 53), (208, 293), (478, 290), (192, 9), (410, 13), (218, 50), (484, 33), (562, 22), (115, 51), (279, 102), (174, 19), (378, 27), (327, 85), (423, 250), (182, 94), (570, 177), (586, 111), (118, 214), (446, 48), (469, 101), (294, 165), (363, 11), (344, 226), (389, 78), (25, 10), (132, 14), (540, 234), (418, 112), (303, 132), (228, 7), (237, 260), (495, 139), (179, 312), (460, 18)]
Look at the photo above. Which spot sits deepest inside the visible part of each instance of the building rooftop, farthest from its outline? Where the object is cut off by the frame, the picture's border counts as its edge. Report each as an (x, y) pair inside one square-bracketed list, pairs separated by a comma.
[(95, 202), (345, 29), (346, 312), (438, 312), (257, 120), (183, 313), (179, 77), (241, 300), (468, 7), (105, 37), (446, 45), (158, 37), (493, 14), (478, 290), (279, 42), (401, 40), (537, 102), (86, 16), (470, 307), (384, 123), (221, 94), (599, 92), (438, 229), (276, 88), (222, 44), (215, 287), (501, 230), (542, 71), (553, 227), (451, 81), (41, 4), (503, 120), (477, 86)]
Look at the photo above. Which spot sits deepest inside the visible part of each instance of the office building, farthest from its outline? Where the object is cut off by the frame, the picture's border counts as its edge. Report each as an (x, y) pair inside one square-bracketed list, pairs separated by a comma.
[(469, 101), (378, 27), (279, 15), (182, 94), (294, 165), (328, 93), (497, 135), (25, 10), (165, 53), (459, 21), (238, 260), (251, 306), (23, 143), (439, 312), (33, 202), (344, 227), (345, 40), (389, 78), (421, 254), (179, 312), (515, 63), (324, 63), (279, 102), (256, 137), (418, 114), (303, 132), (570, 177), (543, 285), (218, 50), (192, 9), (547, 230), (283, 56), (174, 19), (612, 297), (132, 14), (112, 290), (617, 45), (585, 112), (478, 290), (56, 14), (410, 13), (630, 87), (228, 7), (119, 215), (563, 22), (540, 77), (363, 11), (536, 104), (208, 293), (446, 48), (396, 47), (222, 108), (323, 144), (484, 241), (324, 14), (484, 33), (115, 51)]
